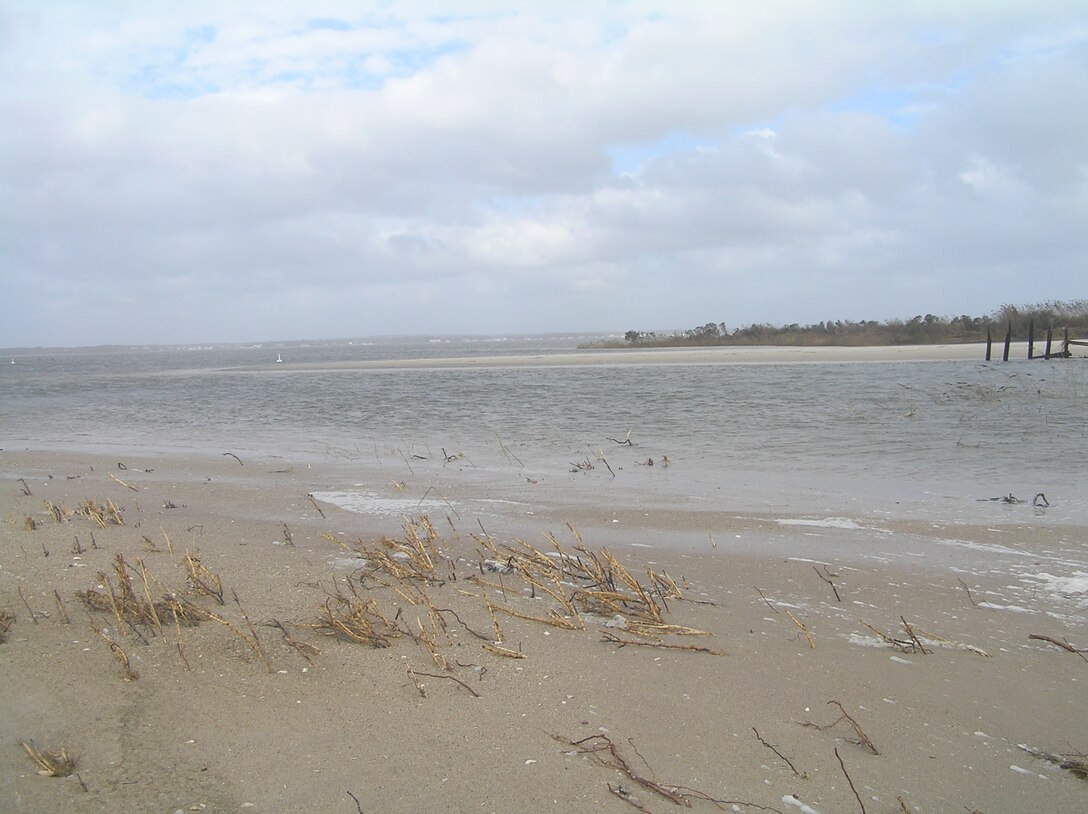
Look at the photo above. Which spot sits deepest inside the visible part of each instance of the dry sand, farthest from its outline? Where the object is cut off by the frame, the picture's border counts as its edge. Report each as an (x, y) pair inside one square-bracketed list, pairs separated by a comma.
[(223, 733)]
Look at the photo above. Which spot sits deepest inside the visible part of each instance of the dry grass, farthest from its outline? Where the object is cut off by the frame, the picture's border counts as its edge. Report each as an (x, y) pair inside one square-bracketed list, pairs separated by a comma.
[(559, 588), (128, 597), (102, 515), (7, 619), (348, 617), (50, 763)]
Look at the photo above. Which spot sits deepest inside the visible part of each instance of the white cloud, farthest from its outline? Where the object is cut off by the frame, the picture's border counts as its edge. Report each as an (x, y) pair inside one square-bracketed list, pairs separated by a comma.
[(275, 169)]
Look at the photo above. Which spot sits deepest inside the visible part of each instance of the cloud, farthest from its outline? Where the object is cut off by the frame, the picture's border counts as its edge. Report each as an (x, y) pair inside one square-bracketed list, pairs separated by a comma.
[(197, 171)]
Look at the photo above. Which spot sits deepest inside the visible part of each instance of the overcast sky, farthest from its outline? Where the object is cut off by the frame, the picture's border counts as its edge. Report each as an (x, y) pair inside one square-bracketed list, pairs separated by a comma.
[(206, 171)]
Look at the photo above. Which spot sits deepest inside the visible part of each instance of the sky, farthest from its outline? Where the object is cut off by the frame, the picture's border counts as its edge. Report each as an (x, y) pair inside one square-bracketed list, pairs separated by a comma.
[(194, 171)]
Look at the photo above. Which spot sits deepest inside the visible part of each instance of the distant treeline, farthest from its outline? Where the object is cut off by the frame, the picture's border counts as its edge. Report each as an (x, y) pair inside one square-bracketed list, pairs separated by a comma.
[(929, 329)]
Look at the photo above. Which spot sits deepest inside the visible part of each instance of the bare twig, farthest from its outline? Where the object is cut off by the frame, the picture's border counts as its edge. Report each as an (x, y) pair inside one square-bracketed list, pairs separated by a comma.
[(235, 457), (302, 648), (502, 651), (861, 740), (971, 598), (22, 596), (61, 609), (626, 795), (914, 637), (805, 630), (773, 749), (766, 600), (311, 497), (603, 460), (480, 636), (448, 678), (602, 751), (611, 638), (117, 480), (848, 780), (827, 579), (1064, 645), (358, 805)]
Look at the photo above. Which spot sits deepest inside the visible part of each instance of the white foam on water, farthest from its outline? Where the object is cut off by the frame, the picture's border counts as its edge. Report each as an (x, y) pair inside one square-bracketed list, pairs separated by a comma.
[(790, 800), (825, 523), (1065, 585), (1013, 608), (1028, 772), (866, 641)]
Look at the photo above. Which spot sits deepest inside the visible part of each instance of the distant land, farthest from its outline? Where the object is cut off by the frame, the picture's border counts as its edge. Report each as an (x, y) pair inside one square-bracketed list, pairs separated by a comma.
[(928, 329)]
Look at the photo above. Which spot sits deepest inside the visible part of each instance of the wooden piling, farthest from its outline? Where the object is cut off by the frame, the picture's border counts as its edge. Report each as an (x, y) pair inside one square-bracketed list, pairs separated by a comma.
[(989, 343), (1049, 337), (1031, 339), (1008, 341)]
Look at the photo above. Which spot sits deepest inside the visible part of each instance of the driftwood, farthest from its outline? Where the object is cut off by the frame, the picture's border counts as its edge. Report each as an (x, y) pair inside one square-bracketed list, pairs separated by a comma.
[(611, 638)]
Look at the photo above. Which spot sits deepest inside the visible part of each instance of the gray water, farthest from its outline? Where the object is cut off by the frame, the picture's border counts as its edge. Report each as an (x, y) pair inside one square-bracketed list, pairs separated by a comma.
[(891, 433)]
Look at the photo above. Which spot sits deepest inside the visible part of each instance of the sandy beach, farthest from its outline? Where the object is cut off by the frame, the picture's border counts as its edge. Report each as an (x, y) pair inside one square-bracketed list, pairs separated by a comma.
[(803, 683)]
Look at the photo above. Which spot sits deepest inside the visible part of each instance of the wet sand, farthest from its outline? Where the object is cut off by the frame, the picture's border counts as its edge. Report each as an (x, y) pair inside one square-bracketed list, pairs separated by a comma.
[(218, 731)]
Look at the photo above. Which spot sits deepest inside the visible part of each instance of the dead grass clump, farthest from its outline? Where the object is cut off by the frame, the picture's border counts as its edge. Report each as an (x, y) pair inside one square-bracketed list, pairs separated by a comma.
[(58, 512), (50, 763), (350, 618), (202, 581), (30, 524), (7, 619), (582, 582), (414, 558), (102, 515), (127, 596)]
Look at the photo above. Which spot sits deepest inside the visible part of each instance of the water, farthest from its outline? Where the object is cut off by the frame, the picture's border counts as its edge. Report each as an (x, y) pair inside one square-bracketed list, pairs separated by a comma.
[(812, 437)]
